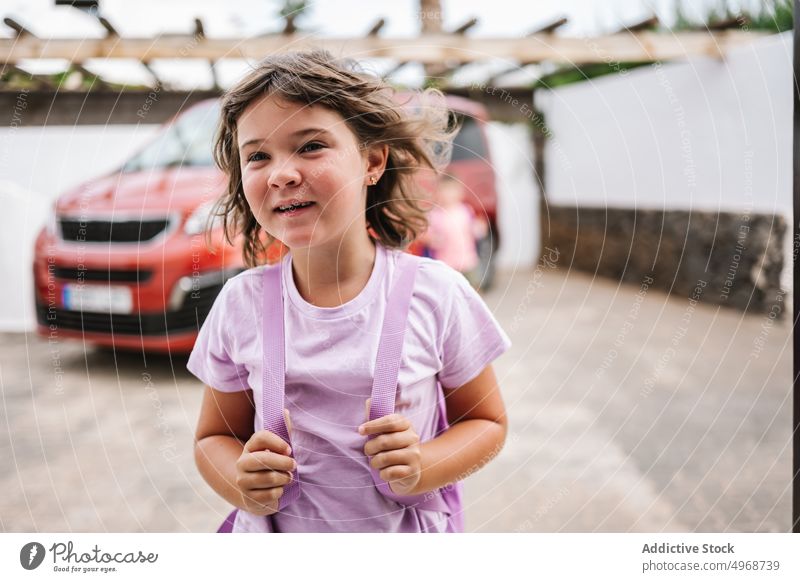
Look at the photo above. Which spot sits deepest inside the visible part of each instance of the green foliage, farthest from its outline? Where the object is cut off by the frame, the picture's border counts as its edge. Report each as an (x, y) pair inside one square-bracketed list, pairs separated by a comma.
[(296, 8), (578, 73), (770, 16), (778, 17)]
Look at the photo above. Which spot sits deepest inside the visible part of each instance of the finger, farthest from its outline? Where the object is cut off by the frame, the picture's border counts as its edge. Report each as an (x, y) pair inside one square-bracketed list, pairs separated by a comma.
[(264, 480), (389, 458), (266, 461), (396, 472), (265, 440), (264, 496), (390, 442), (389, 423), (366, 413)]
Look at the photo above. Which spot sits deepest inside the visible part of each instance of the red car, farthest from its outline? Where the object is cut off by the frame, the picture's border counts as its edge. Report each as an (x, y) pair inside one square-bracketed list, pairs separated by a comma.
[(122, 261)]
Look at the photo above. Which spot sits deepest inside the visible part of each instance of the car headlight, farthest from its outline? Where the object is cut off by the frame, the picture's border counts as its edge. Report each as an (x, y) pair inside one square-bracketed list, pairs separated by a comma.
[(198, 221)]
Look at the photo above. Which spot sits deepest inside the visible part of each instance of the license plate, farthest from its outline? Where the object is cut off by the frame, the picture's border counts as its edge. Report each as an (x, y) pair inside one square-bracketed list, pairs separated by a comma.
[(97, 298)]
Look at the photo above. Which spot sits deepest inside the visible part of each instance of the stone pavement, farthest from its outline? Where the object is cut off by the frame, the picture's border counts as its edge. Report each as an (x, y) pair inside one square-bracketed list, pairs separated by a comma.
[(629, 410)]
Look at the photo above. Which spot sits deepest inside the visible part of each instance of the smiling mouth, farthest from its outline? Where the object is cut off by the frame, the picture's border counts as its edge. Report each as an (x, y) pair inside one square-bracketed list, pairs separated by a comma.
[(293, 207)]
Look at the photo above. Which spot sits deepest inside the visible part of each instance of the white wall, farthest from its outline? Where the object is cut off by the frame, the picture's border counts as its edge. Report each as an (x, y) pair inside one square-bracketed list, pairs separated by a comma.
[(518, 195), (705, 134)]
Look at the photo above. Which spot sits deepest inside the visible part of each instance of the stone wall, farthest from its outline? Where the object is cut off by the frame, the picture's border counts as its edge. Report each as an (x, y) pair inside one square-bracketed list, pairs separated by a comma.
[(739, 257)]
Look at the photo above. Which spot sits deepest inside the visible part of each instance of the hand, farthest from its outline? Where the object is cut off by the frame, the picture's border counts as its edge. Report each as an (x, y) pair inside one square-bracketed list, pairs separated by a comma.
[(395, 453), (262, 471)]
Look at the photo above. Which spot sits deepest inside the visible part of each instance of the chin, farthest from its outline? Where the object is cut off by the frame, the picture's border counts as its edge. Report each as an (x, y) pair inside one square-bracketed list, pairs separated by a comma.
[(295, 242)]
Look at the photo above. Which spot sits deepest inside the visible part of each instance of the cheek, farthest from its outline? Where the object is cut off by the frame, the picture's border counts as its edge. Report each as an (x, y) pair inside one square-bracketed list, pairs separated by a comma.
[(252, 193), (342, 188)]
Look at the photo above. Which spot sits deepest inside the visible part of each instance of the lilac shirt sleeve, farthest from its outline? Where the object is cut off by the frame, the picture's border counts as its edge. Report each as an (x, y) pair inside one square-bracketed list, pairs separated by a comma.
[(210, 360), (472, 337)]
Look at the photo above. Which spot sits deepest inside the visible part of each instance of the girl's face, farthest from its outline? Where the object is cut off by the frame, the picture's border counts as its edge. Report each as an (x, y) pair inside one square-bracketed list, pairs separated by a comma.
[(303, 174), (449, 193)]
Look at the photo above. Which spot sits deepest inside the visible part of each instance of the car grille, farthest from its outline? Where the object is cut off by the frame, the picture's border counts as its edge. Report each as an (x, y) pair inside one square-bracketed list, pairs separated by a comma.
[(189, 317), (113, 276), (116, 231)]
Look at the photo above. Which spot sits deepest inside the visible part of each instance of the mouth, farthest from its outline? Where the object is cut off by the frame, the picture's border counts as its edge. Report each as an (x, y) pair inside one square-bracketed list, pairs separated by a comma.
[(292, 207)]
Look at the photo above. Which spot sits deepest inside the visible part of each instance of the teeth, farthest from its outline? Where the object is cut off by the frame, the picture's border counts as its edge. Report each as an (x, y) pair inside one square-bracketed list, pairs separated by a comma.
[(301, 205)]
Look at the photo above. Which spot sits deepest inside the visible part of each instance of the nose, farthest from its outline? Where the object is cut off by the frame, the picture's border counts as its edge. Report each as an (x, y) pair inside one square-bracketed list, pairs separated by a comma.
[(284, 174)]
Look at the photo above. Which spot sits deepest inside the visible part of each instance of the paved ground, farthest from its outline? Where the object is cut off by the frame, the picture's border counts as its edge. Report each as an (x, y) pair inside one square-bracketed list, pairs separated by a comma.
[(630, 411)]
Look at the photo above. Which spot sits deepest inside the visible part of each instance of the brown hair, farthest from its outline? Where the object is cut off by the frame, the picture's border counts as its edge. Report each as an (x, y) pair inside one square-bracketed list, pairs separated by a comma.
[(417, 140)]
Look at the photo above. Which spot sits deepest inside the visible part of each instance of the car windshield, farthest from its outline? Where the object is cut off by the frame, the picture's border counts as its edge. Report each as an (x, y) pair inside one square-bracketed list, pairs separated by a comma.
[(468, 144), (188, 141)]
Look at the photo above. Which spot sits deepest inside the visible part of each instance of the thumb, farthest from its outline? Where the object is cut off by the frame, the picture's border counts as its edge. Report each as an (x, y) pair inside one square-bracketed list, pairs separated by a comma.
[(367, 403)]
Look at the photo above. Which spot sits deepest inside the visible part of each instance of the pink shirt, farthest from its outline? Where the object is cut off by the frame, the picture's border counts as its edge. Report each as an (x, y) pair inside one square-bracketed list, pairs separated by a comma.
[(453, 238), (330, 358)]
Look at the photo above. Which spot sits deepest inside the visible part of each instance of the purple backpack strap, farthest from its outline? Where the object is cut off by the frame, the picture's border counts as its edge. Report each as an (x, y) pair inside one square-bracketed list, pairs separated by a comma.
[(390, 348), (274, 367), (273, 380), (387, 368), (227, 525)]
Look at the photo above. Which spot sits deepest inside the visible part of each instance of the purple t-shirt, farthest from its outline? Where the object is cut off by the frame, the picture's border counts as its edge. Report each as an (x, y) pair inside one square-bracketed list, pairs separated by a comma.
[(330, 359)]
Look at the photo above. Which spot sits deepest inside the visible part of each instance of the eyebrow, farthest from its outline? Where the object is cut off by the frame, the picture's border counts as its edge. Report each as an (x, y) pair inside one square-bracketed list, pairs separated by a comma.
[(300, 133)]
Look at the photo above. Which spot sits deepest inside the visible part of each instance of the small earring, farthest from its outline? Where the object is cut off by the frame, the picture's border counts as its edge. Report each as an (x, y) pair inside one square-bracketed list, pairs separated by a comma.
[(373, 180)]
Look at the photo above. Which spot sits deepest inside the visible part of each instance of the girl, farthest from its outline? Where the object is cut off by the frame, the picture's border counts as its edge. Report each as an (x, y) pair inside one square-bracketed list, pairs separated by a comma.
[(454, 230), (298, 429)]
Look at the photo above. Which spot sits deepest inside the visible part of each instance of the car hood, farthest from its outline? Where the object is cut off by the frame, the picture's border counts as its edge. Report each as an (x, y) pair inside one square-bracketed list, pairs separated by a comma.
[(150, 192)]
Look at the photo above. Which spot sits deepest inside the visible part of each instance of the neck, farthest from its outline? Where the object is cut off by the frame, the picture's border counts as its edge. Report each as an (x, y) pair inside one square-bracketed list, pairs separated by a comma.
[(332, 274)]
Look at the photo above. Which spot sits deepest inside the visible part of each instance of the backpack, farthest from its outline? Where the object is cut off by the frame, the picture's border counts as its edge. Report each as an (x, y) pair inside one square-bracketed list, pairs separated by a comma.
[(448, 499)]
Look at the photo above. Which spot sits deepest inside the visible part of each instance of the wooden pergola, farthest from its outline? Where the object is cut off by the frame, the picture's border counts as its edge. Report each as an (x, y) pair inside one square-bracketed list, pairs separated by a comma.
[(441, 53)]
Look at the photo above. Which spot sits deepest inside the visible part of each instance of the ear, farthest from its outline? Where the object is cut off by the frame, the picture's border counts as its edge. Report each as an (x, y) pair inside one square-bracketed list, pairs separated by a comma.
[(376, 157)]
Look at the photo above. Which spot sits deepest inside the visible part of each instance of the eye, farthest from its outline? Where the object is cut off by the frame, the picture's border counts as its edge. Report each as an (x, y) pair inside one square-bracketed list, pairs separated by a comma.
[(256, 157), (312, 147)]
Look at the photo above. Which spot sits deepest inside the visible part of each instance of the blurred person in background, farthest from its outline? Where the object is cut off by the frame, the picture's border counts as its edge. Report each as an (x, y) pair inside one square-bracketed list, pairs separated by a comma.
[(454, 229)]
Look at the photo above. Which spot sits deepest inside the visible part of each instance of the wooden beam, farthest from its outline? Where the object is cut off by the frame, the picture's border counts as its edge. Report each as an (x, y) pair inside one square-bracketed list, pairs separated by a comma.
[(82, 5), (426, 49), (199, 30), (153, 74), (289, 28), (57, 106), (646, 24), (430, 24), (549, 28), (18, 28), (200, 34), (466, 26), (430, 16), (510, 105), (102, 107), (729, 23), (446, 72), (110, 30), (376, 28)]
